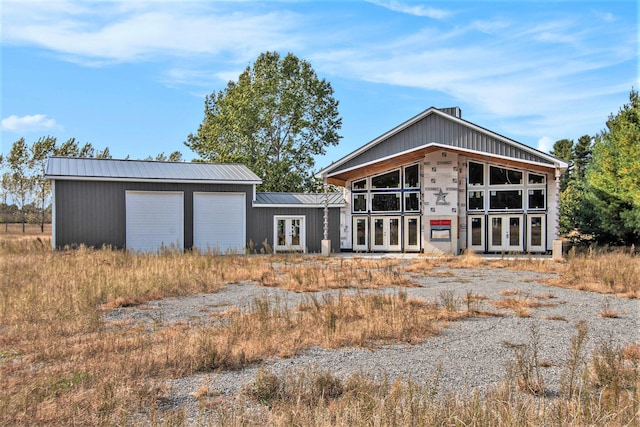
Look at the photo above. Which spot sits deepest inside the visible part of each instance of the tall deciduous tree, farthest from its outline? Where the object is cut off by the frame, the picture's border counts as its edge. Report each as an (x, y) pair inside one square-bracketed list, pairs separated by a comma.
[(21, 181), (614, 173), (41, 150), (274, 119)]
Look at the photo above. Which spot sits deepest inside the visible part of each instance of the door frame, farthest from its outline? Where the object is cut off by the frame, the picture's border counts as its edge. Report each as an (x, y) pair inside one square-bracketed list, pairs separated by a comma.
[(302, 247), (386, 230), (405, 234), (355, 245), (505, 237), (483, 233), (543, 238)]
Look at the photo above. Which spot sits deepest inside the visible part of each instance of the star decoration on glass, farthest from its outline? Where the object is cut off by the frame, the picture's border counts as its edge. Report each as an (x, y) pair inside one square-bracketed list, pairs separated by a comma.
[(441, 197)]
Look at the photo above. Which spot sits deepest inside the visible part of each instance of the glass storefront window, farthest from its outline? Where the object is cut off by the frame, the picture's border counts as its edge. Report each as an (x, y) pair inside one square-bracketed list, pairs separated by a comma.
[(505, 199), (383, 202), (536, 199), (503, 176), (476, 173), (476, 200), (411, 177), (387, 180)]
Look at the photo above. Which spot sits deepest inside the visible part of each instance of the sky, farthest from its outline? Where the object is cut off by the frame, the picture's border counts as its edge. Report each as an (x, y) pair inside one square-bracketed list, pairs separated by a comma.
[(133, 75)]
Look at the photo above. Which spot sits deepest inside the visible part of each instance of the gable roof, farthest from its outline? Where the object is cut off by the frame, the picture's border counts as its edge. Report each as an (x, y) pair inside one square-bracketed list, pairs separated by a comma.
[(303, 200), (435, 129), (90, 169)]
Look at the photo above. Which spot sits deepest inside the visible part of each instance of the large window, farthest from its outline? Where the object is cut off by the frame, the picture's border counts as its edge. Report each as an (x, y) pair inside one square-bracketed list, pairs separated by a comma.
[(476, 173), (503, 176), (411, 177), (359, 185), (360, 202), (381, 202), (476, 200), (536, 179), (412, 201), (386, 180), (505, 199), (536, 199)]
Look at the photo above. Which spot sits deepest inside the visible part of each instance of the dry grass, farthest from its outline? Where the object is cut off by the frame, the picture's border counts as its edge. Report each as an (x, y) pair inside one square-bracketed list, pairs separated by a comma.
[(61, 364), (521, 302)]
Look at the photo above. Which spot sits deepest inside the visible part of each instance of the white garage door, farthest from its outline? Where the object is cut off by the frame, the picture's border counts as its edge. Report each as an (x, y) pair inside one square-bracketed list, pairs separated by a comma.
[(155, 219), (219, 222)]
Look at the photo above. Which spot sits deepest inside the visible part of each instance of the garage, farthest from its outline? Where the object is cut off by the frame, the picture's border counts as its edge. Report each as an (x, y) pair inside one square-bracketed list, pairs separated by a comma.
[(219, 222), (154, 219)]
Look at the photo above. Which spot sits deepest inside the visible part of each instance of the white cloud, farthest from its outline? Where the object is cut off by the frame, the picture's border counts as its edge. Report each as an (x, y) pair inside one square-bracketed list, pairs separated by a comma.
[(33, 123), (415, 10), (545, 144)]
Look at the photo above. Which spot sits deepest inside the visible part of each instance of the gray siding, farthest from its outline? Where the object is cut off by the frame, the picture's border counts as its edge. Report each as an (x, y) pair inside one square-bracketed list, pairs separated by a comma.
[(435, 128), (93, 212), (262, 226)]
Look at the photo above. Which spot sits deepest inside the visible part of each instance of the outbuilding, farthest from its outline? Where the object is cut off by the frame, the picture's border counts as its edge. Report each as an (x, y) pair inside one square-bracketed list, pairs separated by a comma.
[(148, 205)]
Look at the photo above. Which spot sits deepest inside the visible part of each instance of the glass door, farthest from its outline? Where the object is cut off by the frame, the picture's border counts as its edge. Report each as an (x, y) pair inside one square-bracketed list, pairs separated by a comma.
[(412, 233), (506, 233), (385, 233), (536, 233), (289, 234), (475, 233), (360, 234)]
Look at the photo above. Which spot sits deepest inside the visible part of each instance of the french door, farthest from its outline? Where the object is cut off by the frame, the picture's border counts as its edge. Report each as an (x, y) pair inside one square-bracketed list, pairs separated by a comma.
[(385, 233), (289, 233), (506, 233)]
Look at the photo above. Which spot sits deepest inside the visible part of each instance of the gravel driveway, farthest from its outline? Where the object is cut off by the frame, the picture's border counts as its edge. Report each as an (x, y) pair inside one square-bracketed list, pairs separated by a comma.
[(468, 355)]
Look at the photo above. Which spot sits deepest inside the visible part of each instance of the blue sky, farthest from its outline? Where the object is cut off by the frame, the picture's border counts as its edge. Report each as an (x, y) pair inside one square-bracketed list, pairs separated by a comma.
[(133, 75)]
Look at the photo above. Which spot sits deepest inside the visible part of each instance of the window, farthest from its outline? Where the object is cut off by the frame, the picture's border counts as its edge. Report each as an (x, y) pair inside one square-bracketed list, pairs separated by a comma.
[(476, 200), (476, 231), (359, 185), (502, 176), (476, 173), (536, 199), (412, 201), (360, 202), (511, 199), (536, 179), (387, 180), (411, 177), (381, 202)]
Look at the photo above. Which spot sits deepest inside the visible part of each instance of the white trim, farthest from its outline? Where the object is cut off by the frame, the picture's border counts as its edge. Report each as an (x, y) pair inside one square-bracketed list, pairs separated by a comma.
[(303, 235), (449, 148), (429, 111), (53, 213), (160, 180)]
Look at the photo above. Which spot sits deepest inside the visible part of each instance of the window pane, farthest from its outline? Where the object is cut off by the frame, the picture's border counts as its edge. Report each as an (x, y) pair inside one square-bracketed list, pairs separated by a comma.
[(361, 232), (536, 231), (536, 179), (378, 232), (505, 199), (295, 232), (536, 199), (411, 177), (282, 236), (412, 225), (388, 180), (385, 202), (359, 202), (360, 185), (476, 173), (476, 200), (514, 231), (496, 231), (502, 176), (476, 231), (411, 202), (394, 231)]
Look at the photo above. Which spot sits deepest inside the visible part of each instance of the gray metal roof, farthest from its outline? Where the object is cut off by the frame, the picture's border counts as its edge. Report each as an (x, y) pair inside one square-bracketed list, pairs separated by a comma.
[(73, 168), (298, 199)]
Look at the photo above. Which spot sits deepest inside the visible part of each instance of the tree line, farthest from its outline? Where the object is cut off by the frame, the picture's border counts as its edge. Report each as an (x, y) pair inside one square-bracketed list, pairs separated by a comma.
[(600, 194), (25, 193)]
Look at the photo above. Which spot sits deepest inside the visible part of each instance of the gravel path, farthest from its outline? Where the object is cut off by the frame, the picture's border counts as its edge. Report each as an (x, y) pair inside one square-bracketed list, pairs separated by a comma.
[(468, 355)]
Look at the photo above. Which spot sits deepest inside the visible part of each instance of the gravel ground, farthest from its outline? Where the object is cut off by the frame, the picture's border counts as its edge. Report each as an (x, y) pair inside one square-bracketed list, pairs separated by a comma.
[(468, 355)]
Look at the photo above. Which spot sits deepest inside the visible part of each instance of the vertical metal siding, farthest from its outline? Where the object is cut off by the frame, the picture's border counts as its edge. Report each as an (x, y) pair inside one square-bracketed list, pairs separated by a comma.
[(93, 212), (261, 227)]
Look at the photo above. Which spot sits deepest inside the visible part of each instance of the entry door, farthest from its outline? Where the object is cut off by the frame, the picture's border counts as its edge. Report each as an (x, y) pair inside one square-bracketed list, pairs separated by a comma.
[(289, 234), (506, 233), (536, 233), (385, 233), (475, 233), (411, 233), (360, 234)]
